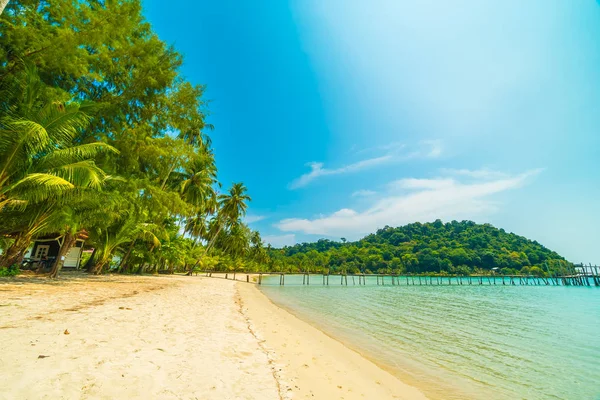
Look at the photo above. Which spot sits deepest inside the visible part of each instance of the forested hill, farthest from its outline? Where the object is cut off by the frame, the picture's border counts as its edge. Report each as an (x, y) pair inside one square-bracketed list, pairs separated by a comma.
[(453, 248)]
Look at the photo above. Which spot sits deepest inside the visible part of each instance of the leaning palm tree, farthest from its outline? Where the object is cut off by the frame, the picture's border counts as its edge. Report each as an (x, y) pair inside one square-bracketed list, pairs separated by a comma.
[(198, 179), (38, 160), (126, 231), (39, 165), (232, 207), (234, 204)]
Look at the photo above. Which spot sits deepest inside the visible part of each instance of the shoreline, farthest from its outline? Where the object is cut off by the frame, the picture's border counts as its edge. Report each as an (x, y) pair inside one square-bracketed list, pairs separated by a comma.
[(324, 367), (171, 337)]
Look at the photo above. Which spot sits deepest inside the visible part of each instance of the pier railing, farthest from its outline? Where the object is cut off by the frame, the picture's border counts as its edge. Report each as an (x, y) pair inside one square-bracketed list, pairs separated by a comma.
[(580, 276)]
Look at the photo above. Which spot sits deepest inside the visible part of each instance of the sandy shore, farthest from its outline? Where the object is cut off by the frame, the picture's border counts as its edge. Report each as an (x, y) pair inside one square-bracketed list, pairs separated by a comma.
[(170, 337)]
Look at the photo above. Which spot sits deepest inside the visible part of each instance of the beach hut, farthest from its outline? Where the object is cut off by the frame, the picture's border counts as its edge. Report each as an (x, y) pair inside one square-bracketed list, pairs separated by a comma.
[(49, 246)]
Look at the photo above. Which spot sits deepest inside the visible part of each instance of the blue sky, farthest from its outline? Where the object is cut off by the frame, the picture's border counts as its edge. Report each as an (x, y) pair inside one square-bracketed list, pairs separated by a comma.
[(343, 116)]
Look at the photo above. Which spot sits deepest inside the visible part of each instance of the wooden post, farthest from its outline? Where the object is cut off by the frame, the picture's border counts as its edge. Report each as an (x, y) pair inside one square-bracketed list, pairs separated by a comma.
[(260, 279), (247, 278)]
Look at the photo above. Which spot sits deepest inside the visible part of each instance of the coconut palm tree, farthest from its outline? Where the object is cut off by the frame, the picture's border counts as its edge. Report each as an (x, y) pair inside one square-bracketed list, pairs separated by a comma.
[(125, 231), (40, 167), (38, 160), (232, 207)]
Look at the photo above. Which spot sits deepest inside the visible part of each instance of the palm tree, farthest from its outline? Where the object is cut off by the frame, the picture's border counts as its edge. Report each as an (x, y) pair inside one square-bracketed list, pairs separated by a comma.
[(126, 231), (197, 187), (40, 167), (38, 160), (232, 207)]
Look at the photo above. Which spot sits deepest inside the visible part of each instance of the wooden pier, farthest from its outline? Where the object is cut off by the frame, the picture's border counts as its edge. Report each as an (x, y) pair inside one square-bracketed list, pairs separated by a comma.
[(579, 276)]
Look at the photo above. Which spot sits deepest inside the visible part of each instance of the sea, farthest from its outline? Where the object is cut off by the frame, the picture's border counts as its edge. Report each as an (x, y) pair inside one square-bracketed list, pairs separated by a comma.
[(461, 341)]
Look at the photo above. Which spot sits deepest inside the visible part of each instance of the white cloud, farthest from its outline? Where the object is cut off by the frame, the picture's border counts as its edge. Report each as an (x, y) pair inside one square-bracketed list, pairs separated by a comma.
[(317, 170), (363, 193), (426, 149), (249, 219), (418, 200), (483, 173), (414, 183), (280, 240)]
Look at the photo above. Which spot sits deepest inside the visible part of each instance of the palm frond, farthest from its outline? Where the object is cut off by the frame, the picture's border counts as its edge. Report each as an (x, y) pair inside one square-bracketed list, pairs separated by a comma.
[(82, 173), (19, 134), (73, 154), (38, 187), (62, 120)]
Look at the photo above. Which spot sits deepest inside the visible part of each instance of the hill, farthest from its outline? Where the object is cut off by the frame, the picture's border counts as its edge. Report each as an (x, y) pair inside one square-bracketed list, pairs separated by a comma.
[(450, 248)]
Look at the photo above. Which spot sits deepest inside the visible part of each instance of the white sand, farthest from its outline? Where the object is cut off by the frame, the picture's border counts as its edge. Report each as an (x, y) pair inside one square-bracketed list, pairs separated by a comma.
[(170, 338), (313, 365)]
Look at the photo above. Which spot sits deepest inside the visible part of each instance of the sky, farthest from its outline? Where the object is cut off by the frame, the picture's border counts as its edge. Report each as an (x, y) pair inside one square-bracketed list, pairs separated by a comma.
[(343, 116)]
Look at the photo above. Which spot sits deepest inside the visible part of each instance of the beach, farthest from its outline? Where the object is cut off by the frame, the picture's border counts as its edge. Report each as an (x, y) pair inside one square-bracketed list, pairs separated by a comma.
[(171, 337)]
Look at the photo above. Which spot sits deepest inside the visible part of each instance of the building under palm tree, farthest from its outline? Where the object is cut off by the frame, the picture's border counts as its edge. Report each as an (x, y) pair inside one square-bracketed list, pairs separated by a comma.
[(49, 246)]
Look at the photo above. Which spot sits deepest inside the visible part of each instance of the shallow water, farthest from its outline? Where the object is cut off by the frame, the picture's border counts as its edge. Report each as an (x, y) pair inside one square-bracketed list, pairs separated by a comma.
[(462, 342)]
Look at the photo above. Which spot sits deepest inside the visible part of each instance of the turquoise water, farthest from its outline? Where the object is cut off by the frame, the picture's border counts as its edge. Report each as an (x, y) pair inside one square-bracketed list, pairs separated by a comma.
[(462, 342)]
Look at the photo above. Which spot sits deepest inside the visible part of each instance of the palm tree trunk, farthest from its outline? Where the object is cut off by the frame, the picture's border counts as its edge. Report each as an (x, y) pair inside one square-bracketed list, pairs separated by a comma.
[(69, 241), (97, 268), (208, 246), (3, 4), (15, 253), (90, 262), (123, 264), (164, 183)]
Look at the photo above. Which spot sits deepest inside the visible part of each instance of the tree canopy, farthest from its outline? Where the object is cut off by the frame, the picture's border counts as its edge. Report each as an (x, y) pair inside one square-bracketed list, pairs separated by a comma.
[(101, 134), (447, 248)]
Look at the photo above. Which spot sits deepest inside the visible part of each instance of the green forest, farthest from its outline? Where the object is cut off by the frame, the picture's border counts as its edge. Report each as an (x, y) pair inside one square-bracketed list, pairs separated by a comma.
[(101, 136), (453, 248)]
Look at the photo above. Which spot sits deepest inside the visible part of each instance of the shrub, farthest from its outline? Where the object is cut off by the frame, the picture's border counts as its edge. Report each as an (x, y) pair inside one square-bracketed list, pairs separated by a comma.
[(10, 271)]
